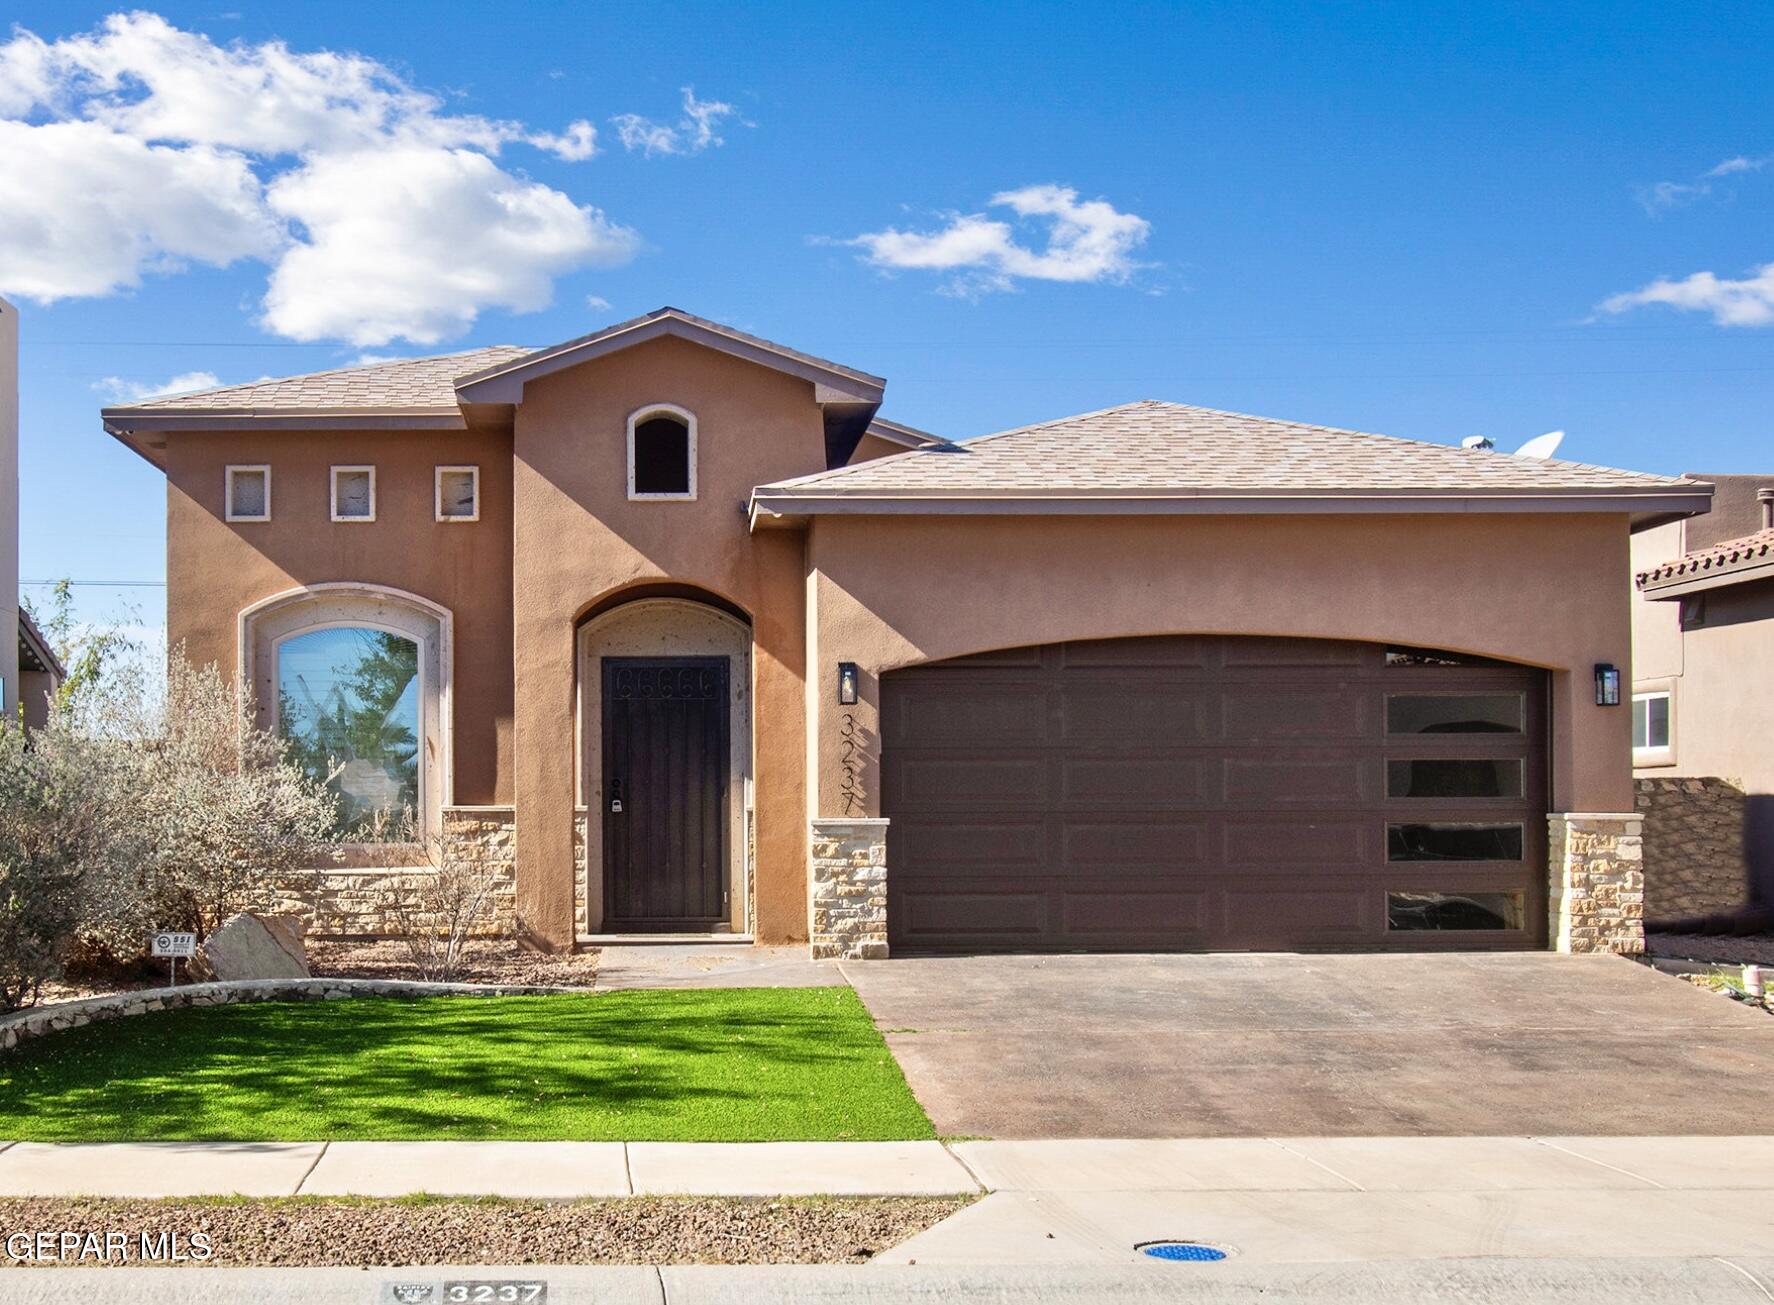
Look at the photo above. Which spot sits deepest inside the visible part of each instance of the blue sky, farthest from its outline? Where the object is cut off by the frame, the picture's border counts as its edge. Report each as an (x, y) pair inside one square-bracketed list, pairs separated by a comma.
[(1402, 218)]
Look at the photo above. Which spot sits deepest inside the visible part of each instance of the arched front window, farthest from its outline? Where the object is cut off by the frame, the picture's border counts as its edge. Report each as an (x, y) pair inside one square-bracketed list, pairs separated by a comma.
[(357, 678), (662, 453), (348, 703)]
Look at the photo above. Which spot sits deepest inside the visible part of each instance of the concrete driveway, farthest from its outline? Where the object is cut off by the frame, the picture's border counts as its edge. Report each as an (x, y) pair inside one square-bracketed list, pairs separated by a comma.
[(1294, 1045)]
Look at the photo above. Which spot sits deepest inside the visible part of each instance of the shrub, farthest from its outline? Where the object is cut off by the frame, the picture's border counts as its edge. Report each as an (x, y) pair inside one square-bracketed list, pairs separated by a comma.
[(50, 839), (435, 912), (219, 818)]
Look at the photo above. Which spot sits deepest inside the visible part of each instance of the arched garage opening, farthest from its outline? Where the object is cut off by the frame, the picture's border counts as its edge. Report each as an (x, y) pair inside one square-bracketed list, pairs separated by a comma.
[(1214, 793)]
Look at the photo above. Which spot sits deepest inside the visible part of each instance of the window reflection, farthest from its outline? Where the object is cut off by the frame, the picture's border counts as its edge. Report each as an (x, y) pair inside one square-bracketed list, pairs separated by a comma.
[(348, 705)]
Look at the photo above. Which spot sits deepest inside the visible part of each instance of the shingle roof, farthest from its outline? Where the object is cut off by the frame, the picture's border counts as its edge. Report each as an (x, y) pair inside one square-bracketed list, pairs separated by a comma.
[(402, 383), (1748, 552), (1153, 447)]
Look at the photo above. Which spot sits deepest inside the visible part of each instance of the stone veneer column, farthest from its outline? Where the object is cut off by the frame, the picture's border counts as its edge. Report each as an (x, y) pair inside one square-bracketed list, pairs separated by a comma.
[(1596, 889), (848, 903)]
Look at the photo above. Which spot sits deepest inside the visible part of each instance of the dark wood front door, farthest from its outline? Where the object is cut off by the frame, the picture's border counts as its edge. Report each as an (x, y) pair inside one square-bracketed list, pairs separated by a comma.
[(665, 791)]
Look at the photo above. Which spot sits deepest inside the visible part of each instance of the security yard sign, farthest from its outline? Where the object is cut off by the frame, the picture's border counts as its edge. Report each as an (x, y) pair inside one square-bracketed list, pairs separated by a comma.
[(173, 946)]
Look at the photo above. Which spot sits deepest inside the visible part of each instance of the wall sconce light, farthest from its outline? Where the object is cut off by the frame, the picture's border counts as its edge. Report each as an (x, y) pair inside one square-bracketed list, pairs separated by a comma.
[(847, 682), (1607, 685)]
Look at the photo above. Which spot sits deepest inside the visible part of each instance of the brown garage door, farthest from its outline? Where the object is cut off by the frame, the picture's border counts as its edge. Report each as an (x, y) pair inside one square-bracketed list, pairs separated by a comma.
[(1206, 793)]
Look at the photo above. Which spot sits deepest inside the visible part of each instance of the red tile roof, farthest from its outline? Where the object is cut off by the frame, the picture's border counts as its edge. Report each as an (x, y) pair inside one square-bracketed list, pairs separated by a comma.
[(1722, 558)]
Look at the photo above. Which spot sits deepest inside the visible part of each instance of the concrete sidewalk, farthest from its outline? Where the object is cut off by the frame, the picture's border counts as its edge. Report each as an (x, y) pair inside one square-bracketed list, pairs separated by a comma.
[(544, 1170)]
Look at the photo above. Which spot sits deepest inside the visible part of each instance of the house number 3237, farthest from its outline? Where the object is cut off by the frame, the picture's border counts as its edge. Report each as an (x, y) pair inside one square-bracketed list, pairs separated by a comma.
[(496, 1293), (849, 765)]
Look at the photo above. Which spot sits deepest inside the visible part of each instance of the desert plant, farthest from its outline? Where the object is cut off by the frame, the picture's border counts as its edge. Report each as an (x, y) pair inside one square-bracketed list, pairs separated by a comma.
[(434, 911), (220, 818), (51, 839)]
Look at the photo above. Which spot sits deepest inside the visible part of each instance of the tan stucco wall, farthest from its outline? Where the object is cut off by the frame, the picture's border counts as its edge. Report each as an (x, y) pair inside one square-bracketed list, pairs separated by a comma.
[(1717, 671), (216, 568), (1543, 590), (9, 673), (579, 542)]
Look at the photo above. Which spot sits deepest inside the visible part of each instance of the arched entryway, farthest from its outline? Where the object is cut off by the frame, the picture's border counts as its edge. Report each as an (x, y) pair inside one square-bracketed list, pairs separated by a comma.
[(665, 767), (1205, 793)]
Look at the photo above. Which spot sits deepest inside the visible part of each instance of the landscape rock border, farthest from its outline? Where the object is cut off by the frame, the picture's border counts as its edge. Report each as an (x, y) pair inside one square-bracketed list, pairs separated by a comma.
[(36, 1021)]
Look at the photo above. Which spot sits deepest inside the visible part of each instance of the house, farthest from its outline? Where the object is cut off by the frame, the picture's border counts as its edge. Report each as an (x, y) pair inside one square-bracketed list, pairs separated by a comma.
[(30, 675), (9, 608), (1703, 717), (672, 617)]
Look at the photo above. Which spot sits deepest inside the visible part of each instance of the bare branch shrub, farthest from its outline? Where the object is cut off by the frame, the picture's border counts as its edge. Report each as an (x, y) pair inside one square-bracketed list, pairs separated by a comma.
[(435, 911)]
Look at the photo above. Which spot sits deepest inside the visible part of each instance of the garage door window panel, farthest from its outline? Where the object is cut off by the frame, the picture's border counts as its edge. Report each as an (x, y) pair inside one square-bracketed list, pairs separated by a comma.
[(1454, 713), (1447, 841), (1417, 912), (1453, 777)]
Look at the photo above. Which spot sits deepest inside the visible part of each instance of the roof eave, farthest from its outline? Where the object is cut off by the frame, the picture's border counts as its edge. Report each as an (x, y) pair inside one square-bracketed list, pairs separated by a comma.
[(787, 505), (1717, 577), (504, 382), (141, 420)]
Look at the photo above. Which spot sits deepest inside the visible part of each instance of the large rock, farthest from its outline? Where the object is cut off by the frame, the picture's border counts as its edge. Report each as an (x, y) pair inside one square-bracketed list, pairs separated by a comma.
[(257, 947)]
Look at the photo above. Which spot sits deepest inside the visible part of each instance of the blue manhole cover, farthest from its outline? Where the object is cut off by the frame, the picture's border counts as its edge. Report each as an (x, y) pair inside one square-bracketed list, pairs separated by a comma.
[(1181, 1252)]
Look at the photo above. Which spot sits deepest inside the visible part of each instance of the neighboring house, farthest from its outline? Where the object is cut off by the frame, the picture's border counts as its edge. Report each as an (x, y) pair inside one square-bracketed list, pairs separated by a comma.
[(30, 676), (1703, 709), (9, 609), (673, 611)]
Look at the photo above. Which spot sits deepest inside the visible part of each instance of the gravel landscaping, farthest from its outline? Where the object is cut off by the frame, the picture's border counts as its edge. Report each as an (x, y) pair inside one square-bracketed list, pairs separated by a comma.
[(306, 1231), (502, 962), (1719, 949)]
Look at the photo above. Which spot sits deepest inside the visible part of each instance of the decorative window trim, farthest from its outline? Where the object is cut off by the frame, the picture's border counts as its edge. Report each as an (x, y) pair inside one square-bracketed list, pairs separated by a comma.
[(263, 626), (684, 415), (333, 493), (1662, 754), (437, 496), (228, 511)]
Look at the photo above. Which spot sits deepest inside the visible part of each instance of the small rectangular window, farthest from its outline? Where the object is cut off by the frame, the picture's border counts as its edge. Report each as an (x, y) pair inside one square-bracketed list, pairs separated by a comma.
[(1453, 713), (1453, 777), (458, 493), (1650, 722), (1411, 912), (1453, 842), (354, 493), (248, 492)]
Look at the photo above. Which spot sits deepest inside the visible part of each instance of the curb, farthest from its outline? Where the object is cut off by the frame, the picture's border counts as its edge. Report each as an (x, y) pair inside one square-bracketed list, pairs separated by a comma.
[(37, 1021)]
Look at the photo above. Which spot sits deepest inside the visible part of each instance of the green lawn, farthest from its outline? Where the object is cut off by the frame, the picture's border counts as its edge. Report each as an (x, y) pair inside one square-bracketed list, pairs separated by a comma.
[(741, 1064)]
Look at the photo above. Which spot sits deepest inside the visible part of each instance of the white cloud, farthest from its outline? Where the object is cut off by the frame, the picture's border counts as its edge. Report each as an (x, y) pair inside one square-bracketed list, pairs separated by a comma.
[(368, 273), (1665, 195), (122, 391), (87, 210), (575, 145), (598, 302), (694, 132), (1085, 241), (381, 216), (1745, 301), (1740, 163)]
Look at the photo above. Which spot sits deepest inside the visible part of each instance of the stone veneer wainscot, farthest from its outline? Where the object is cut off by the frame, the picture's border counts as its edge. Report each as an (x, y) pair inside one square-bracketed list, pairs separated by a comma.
[(849, 894), (1595, 863)]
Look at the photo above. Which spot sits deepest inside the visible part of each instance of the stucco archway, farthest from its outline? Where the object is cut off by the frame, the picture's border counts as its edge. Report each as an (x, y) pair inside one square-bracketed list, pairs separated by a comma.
[(670, 626)]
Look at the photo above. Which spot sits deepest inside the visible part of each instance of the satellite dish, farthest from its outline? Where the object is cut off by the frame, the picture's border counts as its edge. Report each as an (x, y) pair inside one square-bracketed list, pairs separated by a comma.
[(1478, 442), (1542, 446)]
